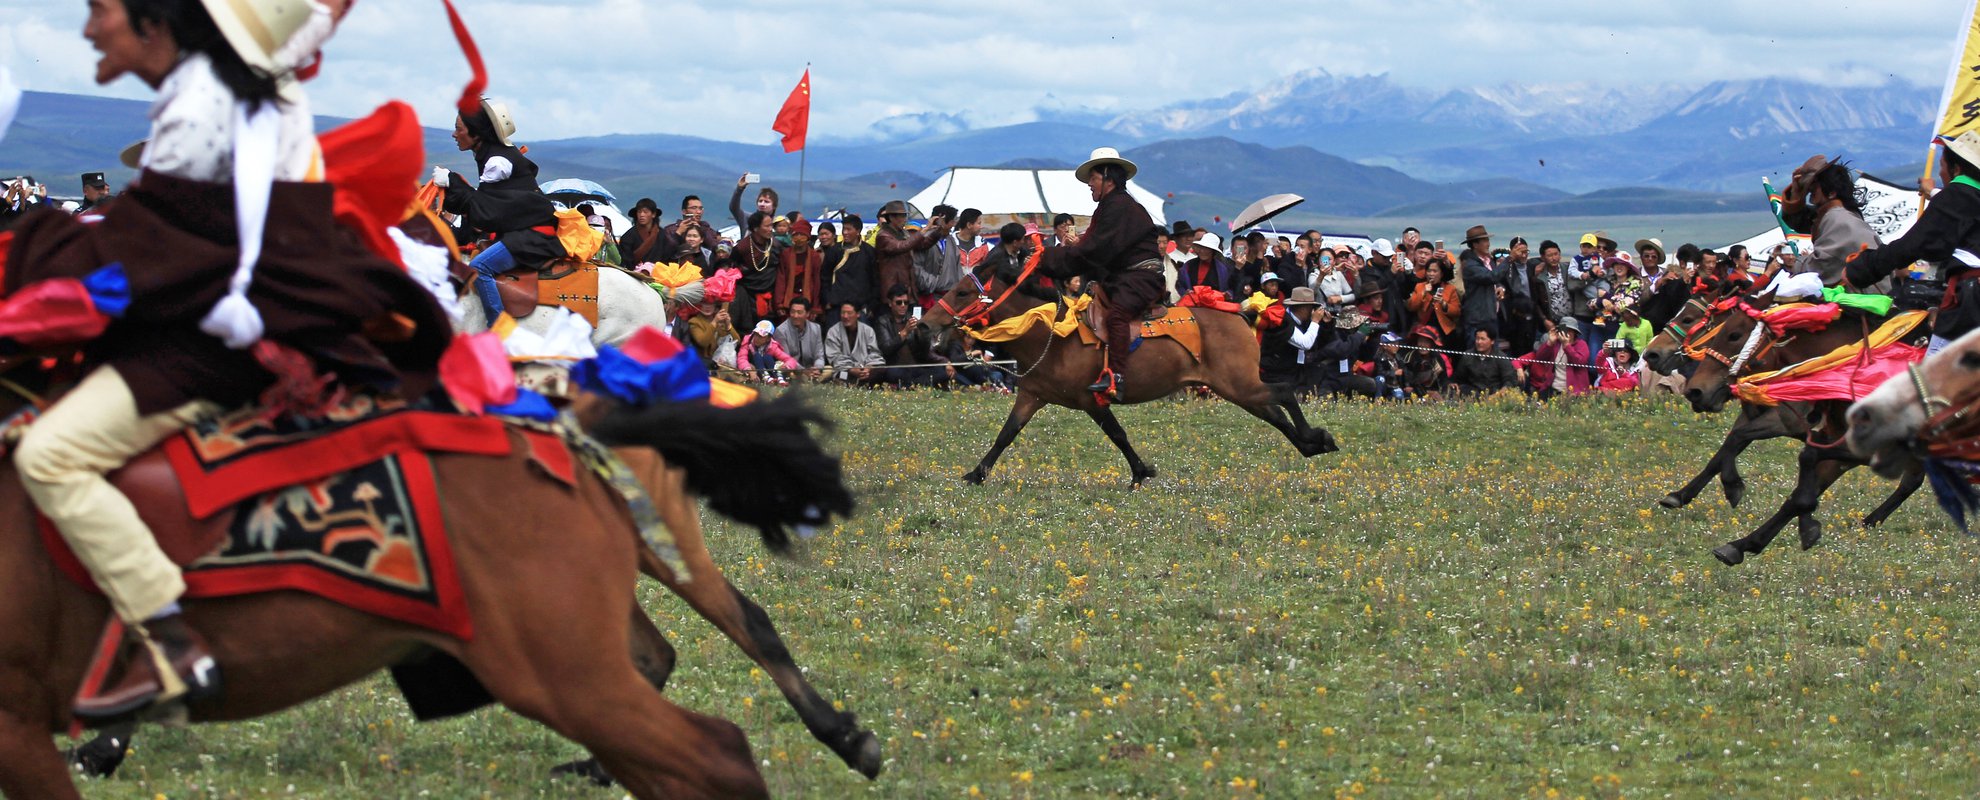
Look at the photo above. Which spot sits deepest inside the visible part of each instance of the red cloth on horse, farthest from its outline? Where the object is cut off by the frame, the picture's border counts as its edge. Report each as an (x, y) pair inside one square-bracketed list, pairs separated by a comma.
[(1209, 297)]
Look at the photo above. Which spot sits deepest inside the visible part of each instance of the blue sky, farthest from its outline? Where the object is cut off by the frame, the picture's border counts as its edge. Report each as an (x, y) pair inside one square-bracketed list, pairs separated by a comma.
[(721, 69)]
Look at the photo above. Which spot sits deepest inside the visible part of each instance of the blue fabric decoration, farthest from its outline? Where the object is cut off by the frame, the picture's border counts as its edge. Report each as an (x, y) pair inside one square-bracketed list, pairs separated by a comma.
[(528, 405), (1955, 495), (674, 380), (110, 289)]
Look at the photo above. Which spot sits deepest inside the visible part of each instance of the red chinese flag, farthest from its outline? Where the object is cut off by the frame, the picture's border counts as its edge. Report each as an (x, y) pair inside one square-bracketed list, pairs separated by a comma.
[(794, 119)]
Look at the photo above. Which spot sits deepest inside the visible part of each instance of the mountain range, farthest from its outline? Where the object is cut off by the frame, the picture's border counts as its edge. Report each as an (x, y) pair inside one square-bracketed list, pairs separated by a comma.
[(1355, 146)]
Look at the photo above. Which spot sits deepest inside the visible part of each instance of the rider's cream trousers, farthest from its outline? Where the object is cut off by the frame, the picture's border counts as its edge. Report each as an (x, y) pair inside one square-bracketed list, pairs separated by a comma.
[(62, 459)]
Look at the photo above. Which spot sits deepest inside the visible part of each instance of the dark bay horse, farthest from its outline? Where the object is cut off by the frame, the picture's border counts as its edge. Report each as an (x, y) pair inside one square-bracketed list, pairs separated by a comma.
[(1823, 458), (547, 573), (1676, 347), (1056, 370)]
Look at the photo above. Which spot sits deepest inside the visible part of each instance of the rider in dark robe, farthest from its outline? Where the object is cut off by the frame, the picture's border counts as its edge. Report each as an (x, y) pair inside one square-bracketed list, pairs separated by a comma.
[(507, 205), (1118, 252), (1948, 233)]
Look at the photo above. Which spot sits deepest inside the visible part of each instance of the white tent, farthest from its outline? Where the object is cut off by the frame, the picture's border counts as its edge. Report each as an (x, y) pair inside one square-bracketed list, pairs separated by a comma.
[(1022, 195), (1889, 208)]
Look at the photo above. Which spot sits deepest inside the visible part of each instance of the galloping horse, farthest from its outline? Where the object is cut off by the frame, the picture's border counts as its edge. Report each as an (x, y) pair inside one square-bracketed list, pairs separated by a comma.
[(1056, 369), (1737, 336), (1679, 344), (1936, 404)]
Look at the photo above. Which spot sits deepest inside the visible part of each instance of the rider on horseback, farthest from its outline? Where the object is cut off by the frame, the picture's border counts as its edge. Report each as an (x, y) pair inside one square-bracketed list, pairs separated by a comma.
[(230, 131), (1946, 234), (1118, 252), (508, 205)]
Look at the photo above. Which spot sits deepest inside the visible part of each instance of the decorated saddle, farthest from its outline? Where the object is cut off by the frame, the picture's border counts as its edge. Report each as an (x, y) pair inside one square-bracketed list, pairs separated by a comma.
[(342, 506)]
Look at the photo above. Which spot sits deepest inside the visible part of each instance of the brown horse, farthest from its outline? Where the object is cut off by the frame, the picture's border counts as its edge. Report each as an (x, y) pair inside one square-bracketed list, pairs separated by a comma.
[(547, 574), (1056, 370), (1823, 459), (1676, 347)]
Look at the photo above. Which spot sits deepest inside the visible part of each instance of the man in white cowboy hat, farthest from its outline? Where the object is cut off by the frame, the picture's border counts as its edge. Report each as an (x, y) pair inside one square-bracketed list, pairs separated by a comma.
[(1945, 234), (1118, 252), (227, 121)]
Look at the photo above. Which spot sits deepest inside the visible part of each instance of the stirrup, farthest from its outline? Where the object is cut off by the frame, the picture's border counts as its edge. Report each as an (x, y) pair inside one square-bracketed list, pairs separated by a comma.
[(1109, 384)]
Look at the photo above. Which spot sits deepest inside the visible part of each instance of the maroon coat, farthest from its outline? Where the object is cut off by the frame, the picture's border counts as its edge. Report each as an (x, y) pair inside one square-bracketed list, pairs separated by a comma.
[(894, 257), (315, 287)]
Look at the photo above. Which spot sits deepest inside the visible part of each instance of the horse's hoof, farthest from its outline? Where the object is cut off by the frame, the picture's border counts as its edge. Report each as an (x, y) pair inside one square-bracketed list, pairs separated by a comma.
[(865, 757), (1671, 501), (1142, 474), (1735, 493), (975, 477), (1729, 555), (1323, 443), (1811, 534), (98, 757), (587, 769)]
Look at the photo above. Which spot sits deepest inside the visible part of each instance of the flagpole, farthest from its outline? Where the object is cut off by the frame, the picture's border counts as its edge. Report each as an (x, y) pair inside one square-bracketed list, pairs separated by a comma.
[(806, 149)]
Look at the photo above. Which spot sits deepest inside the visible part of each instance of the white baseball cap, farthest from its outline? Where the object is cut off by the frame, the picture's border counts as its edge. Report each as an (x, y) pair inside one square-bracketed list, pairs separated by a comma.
[(1385, 247), (764, 327)]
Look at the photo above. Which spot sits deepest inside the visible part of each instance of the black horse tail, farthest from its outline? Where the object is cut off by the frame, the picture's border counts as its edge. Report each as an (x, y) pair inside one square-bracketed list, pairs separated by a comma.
[(759, 464)]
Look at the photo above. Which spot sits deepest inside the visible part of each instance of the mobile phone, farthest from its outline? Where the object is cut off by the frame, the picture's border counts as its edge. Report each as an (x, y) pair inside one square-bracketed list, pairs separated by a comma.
[(752, 178), (1440, 244), (916, 313)]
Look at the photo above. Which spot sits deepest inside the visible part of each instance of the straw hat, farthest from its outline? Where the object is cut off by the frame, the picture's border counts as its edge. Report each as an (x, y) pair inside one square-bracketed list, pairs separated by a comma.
[(1210, 240), (1103, 156), (498, 116), (1967, 146), (257, 29), (1652, 244)]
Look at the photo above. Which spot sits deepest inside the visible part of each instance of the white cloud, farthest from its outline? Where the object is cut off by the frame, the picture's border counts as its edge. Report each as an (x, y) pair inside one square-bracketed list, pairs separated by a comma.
[(722, 70)]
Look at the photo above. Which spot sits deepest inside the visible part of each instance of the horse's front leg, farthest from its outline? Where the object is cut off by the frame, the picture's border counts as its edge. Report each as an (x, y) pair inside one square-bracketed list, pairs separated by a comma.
[(1111, 425), (1022, 411)]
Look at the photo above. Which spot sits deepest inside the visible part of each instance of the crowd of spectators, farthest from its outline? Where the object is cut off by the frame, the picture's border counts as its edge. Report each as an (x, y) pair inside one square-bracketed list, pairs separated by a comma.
[(839, 300)]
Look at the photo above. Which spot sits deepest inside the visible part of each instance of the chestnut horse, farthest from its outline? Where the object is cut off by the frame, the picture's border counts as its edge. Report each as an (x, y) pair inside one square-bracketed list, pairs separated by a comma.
[(548, 574), (709, 593), (1823, 459), (1056, 370)]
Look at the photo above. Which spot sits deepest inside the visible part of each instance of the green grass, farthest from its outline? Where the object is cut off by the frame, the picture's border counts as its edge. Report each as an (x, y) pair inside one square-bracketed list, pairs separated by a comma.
[(1468, 601)]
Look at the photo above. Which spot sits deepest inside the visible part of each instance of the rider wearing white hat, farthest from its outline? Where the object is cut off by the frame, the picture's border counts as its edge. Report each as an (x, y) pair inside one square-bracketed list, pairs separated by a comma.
[(1945, 234), (508, 205), (230, 151), (1118, 252)]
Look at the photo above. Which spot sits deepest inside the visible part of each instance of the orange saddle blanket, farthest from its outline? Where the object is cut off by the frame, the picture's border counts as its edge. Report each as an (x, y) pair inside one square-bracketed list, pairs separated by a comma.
[(1179, 325)]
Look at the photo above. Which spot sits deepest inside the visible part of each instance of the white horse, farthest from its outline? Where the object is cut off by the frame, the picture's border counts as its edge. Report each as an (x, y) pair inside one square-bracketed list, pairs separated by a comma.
[(1883, 425), (625, 305)]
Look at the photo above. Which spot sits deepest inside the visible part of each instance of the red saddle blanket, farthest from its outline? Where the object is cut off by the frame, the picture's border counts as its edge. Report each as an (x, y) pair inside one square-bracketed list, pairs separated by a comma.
[(345, 508)]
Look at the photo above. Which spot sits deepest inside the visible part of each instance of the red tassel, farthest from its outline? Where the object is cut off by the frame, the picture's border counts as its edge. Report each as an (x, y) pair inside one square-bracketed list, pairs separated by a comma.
[(298, 388), (471, 95)]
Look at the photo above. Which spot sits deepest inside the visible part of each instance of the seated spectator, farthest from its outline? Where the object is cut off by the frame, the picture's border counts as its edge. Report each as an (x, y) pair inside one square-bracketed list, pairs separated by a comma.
[(1333, 358), (759, 352), (1425, 371), (800, 338), (1387, 368), (1636, 330), (1617, 371), (1557, 366), (1207, 269), (1482, 370), (852, 349)]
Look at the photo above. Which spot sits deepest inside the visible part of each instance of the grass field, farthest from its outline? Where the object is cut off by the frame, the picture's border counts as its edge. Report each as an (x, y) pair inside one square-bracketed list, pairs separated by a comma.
[(1476, 601)]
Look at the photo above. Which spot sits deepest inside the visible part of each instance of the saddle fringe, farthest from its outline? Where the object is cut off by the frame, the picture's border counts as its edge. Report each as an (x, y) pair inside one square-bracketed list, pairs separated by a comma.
[(759, 464)]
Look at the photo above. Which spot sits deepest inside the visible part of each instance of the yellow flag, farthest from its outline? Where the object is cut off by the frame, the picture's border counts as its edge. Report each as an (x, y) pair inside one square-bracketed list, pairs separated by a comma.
[(1961, 105)]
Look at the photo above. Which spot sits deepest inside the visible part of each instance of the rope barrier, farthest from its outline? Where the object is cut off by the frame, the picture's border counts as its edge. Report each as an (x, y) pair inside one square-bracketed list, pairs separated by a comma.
[(1476, 354)]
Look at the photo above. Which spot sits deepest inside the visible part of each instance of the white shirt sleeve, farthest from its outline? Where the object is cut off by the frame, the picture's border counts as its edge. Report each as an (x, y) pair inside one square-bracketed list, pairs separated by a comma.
[(498, 169), (1303, 336)]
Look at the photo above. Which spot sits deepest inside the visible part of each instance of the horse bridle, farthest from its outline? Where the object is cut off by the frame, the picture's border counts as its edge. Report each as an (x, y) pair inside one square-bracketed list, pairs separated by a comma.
[(1755, 348), (978, 312)]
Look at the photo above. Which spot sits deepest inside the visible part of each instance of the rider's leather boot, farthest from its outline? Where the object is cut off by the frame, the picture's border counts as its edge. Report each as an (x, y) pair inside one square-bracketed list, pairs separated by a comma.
[(162, 663)]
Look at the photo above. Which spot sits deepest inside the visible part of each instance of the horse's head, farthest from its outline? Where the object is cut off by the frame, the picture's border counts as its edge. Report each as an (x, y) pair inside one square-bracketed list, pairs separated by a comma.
[(1724, 332), (967, 303), (1885, 426), (1666, 351)]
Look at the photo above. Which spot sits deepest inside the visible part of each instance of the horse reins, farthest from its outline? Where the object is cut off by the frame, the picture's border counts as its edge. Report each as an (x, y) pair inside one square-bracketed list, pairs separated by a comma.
[(978, 312)]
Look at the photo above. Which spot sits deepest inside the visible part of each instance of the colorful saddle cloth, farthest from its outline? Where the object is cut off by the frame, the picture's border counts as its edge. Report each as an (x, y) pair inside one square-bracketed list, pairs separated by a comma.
[(343, 507)]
